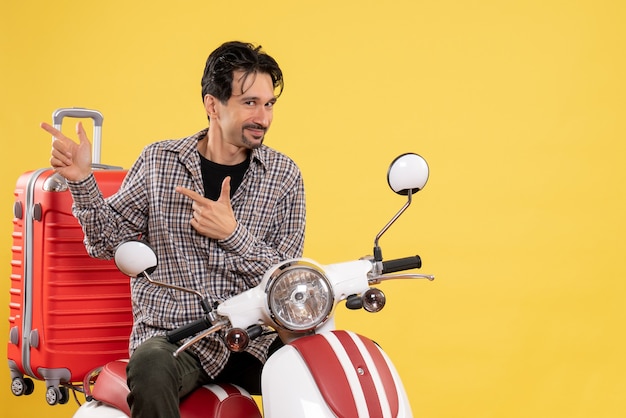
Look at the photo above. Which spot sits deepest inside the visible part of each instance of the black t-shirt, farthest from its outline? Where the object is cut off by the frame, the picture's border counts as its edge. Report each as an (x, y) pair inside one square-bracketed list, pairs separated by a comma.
[(213, 174)]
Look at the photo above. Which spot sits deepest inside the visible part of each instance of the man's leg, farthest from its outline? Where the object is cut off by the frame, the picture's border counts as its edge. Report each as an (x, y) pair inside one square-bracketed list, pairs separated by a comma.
[(157, 379), (243, 369)]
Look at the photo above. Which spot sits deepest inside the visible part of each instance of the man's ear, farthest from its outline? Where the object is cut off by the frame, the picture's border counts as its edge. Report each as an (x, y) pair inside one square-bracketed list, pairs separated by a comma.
[(210, 103)]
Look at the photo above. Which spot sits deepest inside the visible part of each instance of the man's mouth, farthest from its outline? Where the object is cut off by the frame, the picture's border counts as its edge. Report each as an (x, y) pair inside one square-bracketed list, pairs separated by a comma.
[(256, 131)]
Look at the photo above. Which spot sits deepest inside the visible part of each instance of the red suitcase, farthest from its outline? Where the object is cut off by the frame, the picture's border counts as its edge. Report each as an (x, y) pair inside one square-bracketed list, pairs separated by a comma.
[(69, 313)]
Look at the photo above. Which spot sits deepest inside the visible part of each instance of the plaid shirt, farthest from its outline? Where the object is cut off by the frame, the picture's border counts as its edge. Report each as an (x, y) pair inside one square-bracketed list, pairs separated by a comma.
[(269, 206)]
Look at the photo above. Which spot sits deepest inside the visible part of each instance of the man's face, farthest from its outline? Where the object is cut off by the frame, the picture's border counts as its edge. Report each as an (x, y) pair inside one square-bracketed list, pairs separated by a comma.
[(247, 115)]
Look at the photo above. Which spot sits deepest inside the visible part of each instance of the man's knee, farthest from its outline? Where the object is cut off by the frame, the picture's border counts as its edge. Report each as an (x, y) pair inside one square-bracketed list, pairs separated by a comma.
[(153, 363)]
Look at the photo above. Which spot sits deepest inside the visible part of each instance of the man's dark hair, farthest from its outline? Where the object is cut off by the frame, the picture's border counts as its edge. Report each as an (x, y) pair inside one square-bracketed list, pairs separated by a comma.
[(217, 79)]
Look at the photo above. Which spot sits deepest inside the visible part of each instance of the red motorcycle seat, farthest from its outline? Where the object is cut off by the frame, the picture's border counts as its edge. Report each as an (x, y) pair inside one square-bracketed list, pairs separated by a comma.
[(110, 386), (208, 401)]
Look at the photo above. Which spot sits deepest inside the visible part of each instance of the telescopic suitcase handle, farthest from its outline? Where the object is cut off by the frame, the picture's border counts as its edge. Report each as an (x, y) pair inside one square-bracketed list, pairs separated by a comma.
[(82, 113)]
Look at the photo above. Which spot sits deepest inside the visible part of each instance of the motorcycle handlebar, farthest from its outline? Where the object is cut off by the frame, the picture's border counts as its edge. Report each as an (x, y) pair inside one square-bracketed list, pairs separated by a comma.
[(188, 330), (401, 264)]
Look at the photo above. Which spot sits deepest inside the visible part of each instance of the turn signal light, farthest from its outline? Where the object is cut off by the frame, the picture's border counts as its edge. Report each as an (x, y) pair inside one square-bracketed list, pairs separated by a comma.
[(237, 340), (373, 300)]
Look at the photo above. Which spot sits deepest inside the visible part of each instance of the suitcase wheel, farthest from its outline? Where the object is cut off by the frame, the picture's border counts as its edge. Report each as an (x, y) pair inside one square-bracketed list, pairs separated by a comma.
[(22, 386), (57, 395)]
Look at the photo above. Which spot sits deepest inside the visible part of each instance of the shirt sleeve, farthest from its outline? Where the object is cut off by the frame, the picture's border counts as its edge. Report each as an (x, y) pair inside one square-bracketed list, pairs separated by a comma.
[(108, 222)]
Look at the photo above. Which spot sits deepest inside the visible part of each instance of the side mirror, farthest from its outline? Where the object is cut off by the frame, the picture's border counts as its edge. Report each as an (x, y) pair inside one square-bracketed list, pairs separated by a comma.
[(406, 176), (134, 258), (408, 172)]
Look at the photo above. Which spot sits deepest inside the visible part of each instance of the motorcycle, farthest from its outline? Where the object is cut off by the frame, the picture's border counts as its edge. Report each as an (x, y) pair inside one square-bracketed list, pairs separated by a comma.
[(320, 371)]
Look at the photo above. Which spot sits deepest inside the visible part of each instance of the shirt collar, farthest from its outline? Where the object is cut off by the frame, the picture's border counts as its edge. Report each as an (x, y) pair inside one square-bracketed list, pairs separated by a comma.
[(187, 149)]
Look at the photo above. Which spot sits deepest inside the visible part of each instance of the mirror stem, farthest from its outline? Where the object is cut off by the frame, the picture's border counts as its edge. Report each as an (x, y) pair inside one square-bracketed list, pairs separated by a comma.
[(378, 254), (203, 300)]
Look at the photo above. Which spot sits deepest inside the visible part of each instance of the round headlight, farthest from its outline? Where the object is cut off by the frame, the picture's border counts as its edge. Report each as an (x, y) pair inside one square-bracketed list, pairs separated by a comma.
[(299, 296)]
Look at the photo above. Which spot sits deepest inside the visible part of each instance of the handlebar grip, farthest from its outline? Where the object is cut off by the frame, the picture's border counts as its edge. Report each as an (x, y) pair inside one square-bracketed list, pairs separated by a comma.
[(400, 264), (188, 330)]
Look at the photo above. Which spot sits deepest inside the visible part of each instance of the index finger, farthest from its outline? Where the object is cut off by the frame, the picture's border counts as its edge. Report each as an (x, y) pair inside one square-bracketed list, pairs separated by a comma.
[(196, 197), (52, 130)]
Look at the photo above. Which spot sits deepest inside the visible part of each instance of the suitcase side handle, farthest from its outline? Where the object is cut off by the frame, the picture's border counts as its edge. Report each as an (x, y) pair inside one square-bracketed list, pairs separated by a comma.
[(83, 113)]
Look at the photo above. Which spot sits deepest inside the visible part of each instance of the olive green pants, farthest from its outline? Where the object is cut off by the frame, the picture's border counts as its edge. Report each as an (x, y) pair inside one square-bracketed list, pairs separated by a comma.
[(157, 380)]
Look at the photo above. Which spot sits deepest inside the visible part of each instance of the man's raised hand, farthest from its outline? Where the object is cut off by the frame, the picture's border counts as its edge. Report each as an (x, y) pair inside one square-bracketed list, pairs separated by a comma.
[(70, 159)]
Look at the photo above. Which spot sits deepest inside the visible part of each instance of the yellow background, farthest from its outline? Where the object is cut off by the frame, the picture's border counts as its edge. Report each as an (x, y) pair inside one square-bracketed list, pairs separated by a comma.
[(518, 106)]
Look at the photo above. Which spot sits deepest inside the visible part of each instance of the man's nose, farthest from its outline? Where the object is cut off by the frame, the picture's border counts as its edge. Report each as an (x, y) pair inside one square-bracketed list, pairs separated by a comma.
[(263, 116)]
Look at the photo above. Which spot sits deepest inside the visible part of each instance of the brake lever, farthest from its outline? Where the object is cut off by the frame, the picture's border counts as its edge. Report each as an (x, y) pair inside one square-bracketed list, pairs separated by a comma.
[(385, 277), (217, 327)]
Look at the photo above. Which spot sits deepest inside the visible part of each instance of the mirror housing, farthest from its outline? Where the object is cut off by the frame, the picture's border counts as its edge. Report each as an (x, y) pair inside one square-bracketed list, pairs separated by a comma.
[(408, 172), (134, 258)]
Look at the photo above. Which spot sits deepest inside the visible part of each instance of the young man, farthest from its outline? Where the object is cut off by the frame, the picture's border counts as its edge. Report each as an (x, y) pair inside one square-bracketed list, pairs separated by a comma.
[(218, 207)]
